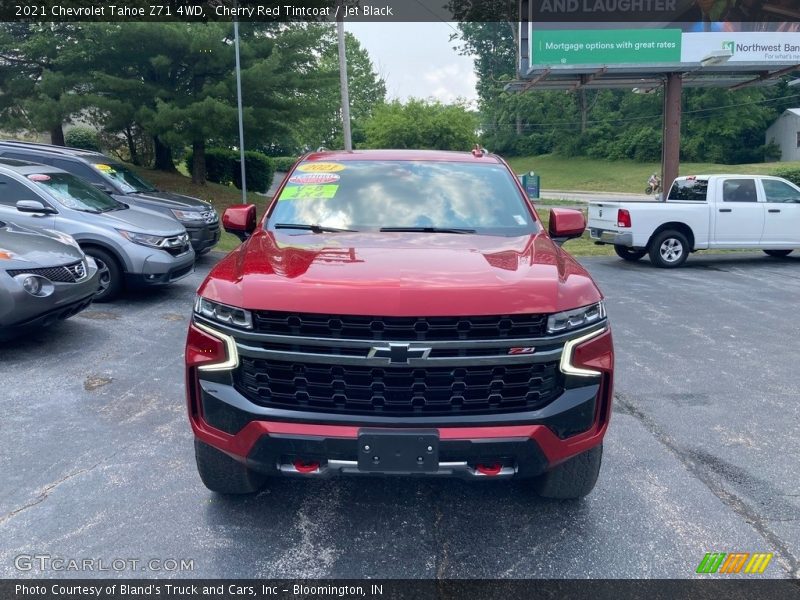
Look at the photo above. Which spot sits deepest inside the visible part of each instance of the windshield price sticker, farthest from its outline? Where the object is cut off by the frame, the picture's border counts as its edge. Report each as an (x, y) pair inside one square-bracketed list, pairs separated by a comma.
[(314, 178), (320, 167), (307, 192), (104, 168)]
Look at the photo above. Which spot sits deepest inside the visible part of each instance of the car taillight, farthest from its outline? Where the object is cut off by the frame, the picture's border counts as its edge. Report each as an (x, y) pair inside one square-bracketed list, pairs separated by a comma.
[(589, 355), (623, 218), (209, 349)]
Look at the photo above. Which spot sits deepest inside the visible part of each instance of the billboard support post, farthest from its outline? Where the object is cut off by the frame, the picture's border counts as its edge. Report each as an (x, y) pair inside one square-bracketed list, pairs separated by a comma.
[(671, 141)]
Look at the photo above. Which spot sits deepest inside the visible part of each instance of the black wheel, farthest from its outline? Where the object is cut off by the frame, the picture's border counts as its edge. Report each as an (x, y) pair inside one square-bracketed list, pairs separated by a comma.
[(648, 190), (778, 253), (631, 254), (109, 274), (572, 479), (222, 474), (669, 249)]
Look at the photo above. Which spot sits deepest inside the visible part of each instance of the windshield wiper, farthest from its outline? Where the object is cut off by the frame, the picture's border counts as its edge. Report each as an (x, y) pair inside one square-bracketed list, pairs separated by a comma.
[(428, 229), (311, 228)]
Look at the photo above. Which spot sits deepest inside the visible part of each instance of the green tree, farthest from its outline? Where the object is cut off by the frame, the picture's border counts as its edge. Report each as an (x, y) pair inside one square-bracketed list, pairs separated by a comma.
[(42, 75), (366, 90), (421, 124)]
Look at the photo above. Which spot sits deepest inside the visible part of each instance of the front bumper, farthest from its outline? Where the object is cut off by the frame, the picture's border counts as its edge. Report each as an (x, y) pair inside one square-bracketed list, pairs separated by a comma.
[(606, 236), (521, 443), (21, 312), (161, 268), (203, 237)]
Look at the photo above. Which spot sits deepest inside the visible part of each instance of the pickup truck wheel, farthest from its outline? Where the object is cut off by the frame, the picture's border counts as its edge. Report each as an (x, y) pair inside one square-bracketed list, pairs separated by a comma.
[(572, 479), (669, 249), (222, 474), (109, 274), (778, 253), (631, 254)]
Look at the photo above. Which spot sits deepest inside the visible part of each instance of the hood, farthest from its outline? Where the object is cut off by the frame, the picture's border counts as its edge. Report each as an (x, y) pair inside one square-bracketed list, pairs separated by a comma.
[(22, 246), (171, 200), (400, 274), (139, 220)]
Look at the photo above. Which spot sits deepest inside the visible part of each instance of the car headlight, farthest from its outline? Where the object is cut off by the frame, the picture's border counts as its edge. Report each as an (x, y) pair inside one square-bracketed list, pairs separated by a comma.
[(143, 239), (576, 318), (35, 285), (223, 313), (188, 216)]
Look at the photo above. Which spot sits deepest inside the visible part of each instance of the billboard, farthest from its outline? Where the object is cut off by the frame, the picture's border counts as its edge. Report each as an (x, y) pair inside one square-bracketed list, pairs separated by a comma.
[(669, 47), (615, 36)]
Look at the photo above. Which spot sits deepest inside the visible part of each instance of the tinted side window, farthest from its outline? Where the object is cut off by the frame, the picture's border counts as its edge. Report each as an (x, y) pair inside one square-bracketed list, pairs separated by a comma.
[(23, 156), (778, 191), (739, 190), (79, 169), (689, 189), (12, 191)]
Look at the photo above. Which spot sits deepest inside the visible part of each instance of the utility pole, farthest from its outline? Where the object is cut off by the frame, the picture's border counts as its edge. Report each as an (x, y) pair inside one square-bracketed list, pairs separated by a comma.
[(239, 106), (348, 140)]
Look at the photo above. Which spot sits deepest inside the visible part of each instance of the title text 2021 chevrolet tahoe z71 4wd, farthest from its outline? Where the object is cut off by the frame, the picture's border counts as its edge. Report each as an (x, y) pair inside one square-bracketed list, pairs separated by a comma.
[(400, 312)]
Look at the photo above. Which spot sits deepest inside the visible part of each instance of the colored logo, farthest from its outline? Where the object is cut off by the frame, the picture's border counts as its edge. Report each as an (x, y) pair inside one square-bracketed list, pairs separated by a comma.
[(734, 562), (314, 178), (320, 167), (729, 46)]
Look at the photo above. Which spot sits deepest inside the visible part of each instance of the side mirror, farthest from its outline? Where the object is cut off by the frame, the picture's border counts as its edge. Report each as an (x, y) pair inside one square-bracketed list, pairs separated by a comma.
[(240, 220), (34, 206), (566, 224)]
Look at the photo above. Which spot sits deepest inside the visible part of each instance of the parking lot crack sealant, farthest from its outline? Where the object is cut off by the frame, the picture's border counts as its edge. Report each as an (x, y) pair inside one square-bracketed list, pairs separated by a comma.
[(783, 556)]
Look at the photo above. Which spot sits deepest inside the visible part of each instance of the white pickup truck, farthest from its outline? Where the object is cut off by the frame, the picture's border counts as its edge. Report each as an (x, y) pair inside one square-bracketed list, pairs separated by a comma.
[(702, 212)]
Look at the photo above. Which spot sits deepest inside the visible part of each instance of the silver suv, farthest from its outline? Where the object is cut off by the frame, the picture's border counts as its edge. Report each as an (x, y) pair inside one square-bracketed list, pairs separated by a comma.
[(131, 246)]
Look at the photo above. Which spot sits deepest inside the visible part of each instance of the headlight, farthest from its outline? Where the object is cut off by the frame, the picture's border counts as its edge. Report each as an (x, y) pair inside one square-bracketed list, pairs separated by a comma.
[(575, 319), (188, 216), (35, 285), (143, 239), (223, 313)]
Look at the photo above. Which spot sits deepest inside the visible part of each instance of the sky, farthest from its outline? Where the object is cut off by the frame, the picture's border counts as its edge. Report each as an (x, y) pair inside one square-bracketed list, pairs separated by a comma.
[(417, 60)]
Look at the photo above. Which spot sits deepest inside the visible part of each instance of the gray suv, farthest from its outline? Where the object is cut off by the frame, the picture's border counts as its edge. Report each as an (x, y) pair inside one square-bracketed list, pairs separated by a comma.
[(44, 277), (132, 246), (198, 217)]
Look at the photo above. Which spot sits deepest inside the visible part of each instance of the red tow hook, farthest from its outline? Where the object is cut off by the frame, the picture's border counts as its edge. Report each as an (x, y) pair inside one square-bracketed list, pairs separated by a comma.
[(489, 470), (305, 466)]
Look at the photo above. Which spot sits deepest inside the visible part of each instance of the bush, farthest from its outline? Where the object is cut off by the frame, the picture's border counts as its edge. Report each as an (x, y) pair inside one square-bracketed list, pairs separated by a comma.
[(283, 163), (82, 137), (792, 174), (222, 166), (259, 171)]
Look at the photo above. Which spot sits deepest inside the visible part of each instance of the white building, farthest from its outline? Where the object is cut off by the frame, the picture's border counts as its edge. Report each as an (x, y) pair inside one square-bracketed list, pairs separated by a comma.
[(785, 132)]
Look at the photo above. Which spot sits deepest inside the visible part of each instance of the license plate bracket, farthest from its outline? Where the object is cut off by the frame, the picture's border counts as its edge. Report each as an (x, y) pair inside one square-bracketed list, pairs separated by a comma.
[(398, 451)]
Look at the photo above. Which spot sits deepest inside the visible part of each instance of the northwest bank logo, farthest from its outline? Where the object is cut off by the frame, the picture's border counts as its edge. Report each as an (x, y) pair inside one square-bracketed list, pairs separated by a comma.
[(734, 562), (729, 46)]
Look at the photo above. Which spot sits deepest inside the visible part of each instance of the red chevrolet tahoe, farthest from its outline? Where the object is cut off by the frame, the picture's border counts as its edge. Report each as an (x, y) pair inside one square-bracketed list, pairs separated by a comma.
[(400, 312)]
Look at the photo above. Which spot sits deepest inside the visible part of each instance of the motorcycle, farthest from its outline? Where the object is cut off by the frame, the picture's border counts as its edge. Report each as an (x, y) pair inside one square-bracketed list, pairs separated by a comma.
[(653, 185)]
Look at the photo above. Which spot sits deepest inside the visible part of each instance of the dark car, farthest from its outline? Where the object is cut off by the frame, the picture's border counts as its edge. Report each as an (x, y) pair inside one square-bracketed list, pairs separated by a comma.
[(197, 216), (400, 312), (44, 277)]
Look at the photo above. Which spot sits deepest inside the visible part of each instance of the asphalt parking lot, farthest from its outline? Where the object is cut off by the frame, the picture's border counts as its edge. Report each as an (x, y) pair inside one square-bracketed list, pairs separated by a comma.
[(703, 452)]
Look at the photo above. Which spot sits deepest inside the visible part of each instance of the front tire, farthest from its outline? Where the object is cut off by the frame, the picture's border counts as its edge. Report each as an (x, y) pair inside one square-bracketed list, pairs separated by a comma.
[(572, 479), (669, 249), (778, 253), (630, 254), (109, 274), (222, 474)]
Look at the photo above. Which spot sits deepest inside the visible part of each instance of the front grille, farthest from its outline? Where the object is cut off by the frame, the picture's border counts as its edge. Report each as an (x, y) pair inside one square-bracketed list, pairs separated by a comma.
[(399, 329), (210, 216), (177, 245), (65, 274), (403, 391)]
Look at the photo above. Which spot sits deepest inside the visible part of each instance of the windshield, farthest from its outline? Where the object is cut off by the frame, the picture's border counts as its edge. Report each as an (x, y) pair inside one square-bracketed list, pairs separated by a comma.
[(74, 193), (421, 195), (126, 179)]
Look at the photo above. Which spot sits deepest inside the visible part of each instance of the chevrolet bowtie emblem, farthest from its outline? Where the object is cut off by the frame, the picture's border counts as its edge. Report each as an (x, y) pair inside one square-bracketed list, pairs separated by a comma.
[(398, 353)]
